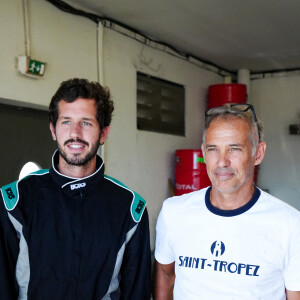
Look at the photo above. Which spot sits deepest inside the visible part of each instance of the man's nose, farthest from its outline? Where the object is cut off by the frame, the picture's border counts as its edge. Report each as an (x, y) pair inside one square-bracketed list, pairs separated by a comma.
[(223, 159), (75, 130)]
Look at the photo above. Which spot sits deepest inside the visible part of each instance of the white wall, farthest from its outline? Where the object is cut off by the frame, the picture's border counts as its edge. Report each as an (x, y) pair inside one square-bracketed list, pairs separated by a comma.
[(145, 160), (65, 42), (277, 102)]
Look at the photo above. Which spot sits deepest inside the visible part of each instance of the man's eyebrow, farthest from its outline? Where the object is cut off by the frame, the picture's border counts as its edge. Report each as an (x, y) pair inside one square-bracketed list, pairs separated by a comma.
[(85, 118), (88, 119), (230, 145), (243, 146)]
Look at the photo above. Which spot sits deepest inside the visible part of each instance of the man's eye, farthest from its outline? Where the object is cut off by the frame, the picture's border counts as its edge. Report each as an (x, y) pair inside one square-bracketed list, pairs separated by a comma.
[(235, 149), (86, 124), (66, 122), (211, 149)]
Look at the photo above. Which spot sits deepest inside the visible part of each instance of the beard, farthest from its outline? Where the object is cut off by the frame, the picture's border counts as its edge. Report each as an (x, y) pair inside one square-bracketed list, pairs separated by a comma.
[(75, 159)]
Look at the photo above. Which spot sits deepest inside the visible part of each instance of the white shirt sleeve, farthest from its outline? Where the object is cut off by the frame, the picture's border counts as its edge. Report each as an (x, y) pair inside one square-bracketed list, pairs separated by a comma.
[(163, 250), (292, 268)]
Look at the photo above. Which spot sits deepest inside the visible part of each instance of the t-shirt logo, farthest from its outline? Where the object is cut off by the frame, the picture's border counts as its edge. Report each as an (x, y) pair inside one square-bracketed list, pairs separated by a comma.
[(216, 264), (217, 248)]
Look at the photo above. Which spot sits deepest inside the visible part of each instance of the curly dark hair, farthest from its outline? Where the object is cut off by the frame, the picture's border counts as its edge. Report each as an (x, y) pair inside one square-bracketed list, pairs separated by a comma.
[(75, 88)]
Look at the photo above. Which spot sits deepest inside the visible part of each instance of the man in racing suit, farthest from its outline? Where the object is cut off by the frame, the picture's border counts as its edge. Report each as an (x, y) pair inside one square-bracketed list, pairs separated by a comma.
[(72, 232)]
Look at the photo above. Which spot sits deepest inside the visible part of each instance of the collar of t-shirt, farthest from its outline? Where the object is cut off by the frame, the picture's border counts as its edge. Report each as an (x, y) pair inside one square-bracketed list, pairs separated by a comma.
[(234, 212)]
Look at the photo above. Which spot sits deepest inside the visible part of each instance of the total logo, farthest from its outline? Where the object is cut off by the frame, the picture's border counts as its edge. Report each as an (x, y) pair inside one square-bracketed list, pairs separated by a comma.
[(78, 186), (185, 187), (217, 249)]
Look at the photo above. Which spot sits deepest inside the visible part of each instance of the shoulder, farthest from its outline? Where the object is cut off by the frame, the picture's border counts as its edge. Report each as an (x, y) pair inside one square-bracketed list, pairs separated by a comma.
[(188, 199), (11, 192), (184, 203), (138, 204), (278, 209)]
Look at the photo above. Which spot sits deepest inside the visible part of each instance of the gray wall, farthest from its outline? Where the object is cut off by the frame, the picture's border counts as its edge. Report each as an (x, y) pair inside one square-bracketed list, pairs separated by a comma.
[(277, 102)]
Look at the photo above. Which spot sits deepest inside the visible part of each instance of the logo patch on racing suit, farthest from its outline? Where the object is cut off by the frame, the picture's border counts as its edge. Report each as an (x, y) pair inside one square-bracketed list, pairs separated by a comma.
[(138, 204), (10, 192), (77, 186)]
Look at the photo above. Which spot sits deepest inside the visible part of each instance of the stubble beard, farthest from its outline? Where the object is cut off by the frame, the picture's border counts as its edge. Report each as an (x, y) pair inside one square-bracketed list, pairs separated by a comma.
[(76, 160)]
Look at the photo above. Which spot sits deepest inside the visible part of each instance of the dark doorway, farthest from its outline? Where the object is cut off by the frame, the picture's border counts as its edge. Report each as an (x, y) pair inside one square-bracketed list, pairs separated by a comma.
[(24, 136)]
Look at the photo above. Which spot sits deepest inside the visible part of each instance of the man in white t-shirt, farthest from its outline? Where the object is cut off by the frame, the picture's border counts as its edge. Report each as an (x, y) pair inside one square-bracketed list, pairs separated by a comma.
[(231, 240)]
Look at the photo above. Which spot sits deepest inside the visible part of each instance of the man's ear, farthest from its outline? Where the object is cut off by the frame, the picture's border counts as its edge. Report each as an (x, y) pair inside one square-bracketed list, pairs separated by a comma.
[(104, 134), (260, 153), (52, 129)]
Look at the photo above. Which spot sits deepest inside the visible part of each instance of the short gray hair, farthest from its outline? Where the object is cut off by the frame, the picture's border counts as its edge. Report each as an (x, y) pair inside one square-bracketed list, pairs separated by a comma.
[(229, 111)]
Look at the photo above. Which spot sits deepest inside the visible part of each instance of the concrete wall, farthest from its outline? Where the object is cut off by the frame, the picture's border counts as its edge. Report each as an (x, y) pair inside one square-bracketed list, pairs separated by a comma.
[(277, 102)]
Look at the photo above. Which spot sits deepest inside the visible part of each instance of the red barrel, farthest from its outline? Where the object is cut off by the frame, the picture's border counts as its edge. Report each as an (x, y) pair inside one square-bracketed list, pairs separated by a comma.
[(190, 171), (220, 94)]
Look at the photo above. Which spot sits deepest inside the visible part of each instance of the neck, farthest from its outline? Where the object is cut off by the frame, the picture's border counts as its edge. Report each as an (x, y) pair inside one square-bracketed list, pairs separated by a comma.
[(231, 201), (77, 171)]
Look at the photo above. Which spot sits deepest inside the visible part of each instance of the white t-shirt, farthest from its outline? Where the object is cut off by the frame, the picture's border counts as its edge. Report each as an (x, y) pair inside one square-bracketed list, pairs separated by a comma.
[(249, 253)]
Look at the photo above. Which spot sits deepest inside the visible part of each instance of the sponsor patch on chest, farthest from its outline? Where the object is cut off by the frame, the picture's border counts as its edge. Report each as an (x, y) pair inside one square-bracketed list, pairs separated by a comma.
[(77, 186)]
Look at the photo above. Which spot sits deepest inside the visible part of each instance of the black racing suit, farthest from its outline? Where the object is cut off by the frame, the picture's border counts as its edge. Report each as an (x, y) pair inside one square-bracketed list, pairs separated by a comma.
[(73, 239)]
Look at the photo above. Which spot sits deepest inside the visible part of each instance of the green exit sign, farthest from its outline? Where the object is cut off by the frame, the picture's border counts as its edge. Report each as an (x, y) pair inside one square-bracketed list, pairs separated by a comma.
[(31, 67), (35, 67)]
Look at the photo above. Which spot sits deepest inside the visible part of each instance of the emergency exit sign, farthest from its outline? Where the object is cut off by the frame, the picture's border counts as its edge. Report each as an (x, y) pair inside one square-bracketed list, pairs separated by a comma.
[(36, 67), (31, 67)]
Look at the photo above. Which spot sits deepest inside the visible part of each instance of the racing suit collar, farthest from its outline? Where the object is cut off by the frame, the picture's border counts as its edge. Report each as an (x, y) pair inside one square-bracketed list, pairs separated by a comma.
[(64, 181)]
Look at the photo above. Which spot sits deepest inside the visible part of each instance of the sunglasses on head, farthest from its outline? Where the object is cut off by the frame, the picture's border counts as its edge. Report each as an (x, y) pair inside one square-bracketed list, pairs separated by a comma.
[(237, 107)]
